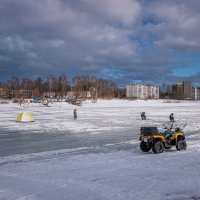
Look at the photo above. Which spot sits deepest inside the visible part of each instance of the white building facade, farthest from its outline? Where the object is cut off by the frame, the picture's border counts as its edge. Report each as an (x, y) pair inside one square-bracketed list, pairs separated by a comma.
[(142, 91), (197, 93)]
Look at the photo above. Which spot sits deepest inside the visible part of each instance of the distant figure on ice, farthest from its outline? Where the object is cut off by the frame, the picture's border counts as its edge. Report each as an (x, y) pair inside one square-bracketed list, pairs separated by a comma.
[(143, 116), (75, 114), (171, 117)]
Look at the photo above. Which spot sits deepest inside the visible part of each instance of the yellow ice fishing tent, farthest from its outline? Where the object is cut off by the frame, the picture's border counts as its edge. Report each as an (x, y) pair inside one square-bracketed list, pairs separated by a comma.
[(24, 117)]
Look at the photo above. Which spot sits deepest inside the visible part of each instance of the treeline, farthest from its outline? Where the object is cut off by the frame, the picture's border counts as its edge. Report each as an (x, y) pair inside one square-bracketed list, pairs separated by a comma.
[(61, 86)]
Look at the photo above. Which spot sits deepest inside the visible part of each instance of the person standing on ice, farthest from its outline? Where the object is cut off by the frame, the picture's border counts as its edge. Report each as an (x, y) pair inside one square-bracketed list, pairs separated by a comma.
[(75, 114), (143, 116), (171, 117)]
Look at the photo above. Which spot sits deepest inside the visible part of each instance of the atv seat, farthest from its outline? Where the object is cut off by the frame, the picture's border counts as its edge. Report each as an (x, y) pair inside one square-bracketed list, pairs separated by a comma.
[(167, 134)]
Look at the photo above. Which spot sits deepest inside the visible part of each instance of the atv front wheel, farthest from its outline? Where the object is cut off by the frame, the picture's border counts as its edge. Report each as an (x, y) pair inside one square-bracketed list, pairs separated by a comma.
[(145, 146), (158, 147), (181, 145)]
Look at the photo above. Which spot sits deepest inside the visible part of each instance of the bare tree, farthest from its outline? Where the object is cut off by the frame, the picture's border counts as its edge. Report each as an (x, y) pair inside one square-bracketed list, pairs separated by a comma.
[(58, 87), (52, 85), (38, 87), (62, 85), (14, 83)]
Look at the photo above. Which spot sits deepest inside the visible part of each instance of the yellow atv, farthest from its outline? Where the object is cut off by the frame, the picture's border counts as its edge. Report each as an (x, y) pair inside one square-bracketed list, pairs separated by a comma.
[(151, 139)]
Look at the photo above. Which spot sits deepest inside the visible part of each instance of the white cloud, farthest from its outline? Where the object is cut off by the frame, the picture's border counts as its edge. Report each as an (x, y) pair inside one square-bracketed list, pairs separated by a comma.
[(121, 11), (179, 24)]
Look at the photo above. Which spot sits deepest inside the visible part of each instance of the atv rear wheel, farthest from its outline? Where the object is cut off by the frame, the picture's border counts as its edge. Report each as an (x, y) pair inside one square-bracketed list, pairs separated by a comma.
[(145, 146), (181, 145), (158, 147)]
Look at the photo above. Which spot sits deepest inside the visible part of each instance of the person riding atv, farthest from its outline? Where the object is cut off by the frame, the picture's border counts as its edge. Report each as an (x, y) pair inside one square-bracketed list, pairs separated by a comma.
[(151, 138)]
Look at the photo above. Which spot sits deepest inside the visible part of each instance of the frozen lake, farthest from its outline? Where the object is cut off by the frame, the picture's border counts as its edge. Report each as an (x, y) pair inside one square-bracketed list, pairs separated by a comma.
[(21, 143), (98, 155), (55, 129)]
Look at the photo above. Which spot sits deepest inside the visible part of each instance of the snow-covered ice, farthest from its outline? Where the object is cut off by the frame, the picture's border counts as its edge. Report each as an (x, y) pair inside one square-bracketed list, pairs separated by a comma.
[(97, 157)]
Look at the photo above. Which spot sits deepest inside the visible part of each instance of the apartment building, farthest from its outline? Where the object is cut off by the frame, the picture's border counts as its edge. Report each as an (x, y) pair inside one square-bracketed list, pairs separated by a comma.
[(182, 90), (142, 91), (196, 93), (187, 89)]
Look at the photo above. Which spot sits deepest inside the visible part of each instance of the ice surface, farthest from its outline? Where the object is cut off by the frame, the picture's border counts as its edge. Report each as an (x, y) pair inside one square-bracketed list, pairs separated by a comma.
[(97, 156)]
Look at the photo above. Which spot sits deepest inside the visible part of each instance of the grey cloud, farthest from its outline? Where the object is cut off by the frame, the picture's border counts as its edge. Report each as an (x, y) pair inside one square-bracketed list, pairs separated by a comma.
[(179, 24), (83, 36)]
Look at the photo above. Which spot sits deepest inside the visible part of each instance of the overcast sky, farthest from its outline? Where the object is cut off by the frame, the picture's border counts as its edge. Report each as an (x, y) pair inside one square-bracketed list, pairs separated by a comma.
[(122, 40)]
